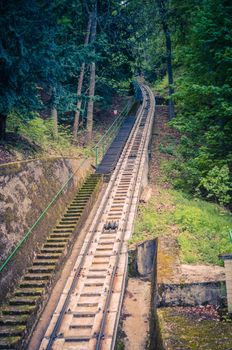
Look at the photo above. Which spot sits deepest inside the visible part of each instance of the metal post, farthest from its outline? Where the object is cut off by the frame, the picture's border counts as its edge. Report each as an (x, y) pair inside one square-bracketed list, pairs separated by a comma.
[(108, 135), (103, 146), (96, 156)]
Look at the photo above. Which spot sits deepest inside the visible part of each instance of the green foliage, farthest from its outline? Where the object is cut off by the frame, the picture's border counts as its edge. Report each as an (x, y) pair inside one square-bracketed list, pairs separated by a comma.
[(203, 230), (41, 132), (217, 184), (150, 222)]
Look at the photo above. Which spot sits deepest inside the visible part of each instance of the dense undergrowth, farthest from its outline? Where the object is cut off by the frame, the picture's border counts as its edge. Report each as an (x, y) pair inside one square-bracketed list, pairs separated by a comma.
[(201, 44), (35, 138), (201, 228)]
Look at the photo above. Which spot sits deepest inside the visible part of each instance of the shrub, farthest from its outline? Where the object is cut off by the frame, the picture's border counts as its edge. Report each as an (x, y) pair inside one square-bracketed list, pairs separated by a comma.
[(217, 184)]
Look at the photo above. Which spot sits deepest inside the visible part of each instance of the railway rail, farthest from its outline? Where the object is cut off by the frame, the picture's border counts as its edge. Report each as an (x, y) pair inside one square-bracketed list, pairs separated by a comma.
[(88, 312)]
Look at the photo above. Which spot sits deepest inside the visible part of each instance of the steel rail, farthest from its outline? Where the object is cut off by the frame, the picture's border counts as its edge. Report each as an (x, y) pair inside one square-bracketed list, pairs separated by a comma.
[(138, 179), (103, 322)]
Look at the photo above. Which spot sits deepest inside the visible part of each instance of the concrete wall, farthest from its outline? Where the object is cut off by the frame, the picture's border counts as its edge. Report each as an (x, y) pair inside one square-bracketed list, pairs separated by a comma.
[(192, 294), (26, 188)]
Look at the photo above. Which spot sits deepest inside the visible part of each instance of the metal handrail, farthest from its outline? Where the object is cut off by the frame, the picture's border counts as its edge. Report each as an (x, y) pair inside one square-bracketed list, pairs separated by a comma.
[(101, 144), (24, 239)]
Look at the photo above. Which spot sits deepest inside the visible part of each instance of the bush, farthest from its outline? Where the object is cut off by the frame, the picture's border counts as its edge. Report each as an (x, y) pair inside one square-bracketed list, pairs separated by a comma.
[(41, 132), (217, 184)]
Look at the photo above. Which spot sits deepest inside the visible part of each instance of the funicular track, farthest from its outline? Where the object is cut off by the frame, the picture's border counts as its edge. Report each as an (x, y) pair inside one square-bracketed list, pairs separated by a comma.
[(88, 312)]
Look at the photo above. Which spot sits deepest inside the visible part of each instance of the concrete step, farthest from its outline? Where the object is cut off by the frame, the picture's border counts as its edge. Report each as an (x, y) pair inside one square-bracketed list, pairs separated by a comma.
[(10, 343), (18, 310), (60, 234), (24, 300), (47, 250), (47, 262), (64, 226), (55, 245), (72, 215), (33, 283), (29, 291), (42, 269), (69, 221), (48, 256), (56, 239), (6, 331), (63, 230), (13, 320), (37, 276)]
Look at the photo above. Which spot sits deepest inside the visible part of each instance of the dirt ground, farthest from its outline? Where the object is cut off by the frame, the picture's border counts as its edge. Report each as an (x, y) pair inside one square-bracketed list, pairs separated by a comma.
[(135, 314)]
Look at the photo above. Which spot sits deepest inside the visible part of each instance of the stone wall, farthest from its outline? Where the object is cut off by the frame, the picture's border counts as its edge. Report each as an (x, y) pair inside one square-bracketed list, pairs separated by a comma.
[(26, 188)]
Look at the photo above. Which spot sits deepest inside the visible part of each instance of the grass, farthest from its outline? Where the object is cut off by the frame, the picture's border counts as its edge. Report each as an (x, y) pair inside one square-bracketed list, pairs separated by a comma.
[(203, 228), (153, 218)]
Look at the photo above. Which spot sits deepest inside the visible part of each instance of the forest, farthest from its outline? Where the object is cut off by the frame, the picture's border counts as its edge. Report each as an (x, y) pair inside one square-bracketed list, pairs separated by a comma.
[(61, 60)]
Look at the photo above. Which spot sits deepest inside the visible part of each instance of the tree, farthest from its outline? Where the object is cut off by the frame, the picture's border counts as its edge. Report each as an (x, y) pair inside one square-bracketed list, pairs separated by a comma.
[(92, 76), (163, 12), (80, 83)]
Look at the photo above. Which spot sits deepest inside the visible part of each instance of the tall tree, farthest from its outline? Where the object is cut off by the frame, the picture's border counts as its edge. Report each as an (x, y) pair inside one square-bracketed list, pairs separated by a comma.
[(80, 83), (163, 12), (92, 75)]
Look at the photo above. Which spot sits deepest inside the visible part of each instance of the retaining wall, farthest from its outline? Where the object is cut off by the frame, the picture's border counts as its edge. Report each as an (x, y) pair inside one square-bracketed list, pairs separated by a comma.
[(26, 188)]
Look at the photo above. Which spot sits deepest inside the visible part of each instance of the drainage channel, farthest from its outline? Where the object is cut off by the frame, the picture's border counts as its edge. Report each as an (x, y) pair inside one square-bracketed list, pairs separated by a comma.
[(88, 312)]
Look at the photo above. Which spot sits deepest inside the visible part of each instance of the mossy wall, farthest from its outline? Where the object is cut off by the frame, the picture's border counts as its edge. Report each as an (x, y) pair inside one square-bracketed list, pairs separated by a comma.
[(26, 188)]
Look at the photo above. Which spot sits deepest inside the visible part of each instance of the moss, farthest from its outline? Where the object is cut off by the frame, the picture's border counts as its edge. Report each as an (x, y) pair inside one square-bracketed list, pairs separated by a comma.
[(12, 168), (132, 264), (165, 264), (119, 345), (12, 340), (188, 333)]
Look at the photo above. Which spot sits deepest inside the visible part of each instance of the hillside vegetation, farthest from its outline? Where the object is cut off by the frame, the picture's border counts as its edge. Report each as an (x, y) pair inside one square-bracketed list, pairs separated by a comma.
[(63, 61)]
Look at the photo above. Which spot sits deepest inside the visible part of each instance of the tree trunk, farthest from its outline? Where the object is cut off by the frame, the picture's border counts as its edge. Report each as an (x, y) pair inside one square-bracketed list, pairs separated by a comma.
[(170, 75), (92, 77), (163, 17), (54, 116), (79, 86), (2, 127)]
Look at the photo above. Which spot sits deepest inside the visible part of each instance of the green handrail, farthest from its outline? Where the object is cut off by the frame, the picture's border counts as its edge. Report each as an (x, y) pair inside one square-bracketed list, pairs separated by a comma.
[(23, 240), (230, 235), (104, 142)]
